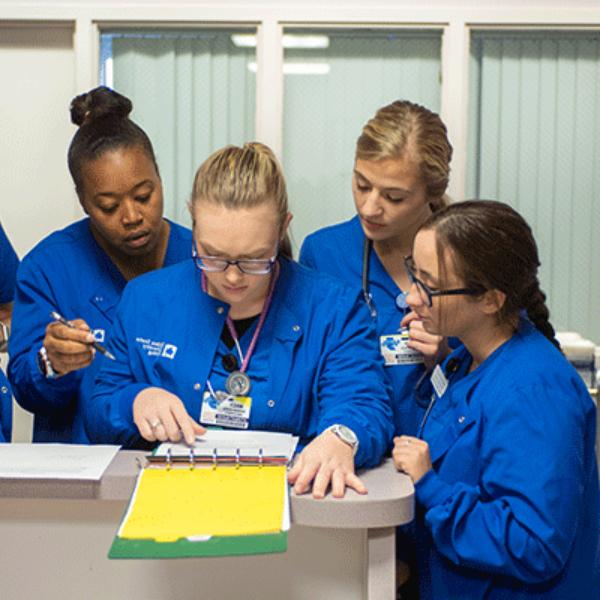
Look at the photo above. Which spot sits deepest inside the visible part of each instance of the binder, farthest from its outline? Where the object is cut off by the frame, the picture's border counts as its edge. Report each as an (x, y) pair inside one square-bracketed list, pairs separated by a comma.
[(227, 495)]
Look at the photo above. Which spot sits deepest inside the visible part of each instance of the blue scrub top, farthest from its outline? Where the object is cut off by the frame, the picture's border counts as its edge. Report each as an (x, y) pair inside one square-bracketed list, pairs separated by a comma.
[(5, 409), (511, 506), (70, 273), (9, 262), (338, 250), (316, 362)]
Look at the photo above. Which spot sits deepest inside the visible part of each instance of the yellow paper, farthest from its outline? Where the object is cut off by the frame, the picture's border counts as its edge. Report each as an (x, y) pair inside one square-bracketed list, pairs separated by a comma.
[(178, 503)]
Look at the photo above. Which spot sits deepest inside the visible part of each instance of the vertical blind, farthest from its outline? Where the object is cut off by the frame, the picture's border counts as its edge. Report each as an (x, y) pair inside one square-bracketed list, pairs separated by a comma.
[(192, 92), (330, 92), (534, 142)]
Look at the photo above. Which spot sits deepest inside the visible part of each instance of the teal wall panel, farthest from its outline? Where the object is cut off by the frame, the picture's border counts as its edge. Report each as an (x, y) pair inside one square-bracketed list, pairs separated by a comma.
[(193, 92), (324, 113), (534, 142)]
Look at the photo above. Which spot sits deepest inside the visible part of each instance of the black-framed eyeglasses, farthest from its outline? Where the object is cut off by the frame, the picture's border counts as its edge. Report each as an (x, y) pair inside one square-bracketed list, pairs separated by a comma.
[(427, 294), (249, 266)]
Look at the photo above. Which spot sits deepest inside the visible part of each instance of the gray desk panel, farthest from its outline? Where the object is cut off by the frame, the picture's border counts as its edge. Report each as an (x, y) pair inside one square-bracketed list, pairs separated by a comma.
[(388, 503)]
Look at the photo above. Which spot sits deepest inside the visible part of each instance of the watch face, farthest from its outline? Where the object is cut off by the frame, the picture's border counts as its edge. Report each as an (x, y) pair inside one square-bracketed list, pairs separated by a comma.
[(347, 434)]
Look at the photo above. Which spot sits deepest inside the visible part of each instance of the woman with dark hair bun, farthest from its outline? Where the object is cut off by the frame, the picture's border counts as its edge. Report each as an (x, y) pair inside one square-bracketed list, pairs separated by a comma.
[(80, 271), (504, 464)]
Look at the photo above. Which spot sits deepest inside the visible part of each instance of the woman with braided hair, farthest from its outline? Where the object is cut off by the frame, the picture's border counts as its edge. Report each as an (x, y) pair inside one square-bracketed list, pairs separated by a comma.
[(503, 464)]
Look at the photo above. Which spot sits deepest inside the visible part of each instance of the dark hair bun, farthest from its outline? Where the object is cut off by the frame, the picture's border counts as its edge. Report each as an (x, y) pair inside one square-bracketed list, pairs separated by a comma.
[(97, 103)]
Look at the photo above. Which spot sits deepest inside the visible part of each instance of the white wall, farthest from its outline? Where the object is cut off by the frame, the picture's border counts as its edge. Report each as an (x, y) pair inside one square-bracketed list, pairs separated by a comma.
[(495, 4), (36, 196), (37, 73)]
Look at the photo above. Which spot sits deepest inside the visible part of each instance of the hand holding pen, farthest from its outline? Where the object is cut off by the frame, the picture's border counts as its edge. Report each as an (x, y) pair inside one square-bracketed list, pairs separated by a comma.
[(70, 345)]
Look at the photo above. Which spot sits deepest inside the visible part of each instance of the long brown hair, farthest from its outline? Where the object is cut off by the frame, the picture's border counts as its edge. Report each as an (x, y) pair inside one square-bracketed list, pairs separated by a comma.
[(493, 247), (405, 126)]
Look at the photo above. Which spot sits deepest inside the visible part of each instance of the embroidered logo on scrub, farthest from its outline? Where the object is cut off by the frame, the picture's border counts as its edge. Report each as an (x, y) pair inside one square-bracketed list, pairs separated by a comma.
[(152, 348), (99, 335)]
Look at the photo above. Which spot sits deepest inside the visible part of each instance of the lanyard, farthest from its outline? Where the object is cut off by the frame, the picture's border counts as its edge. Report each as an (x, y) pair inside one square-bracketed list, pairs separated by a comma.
[(245, 360)]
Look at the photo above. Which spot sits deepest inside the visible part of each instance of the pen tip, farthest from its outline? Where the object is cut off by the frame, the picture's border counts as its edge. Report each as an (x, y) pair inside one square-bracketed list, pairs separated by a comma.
[(110, 355)]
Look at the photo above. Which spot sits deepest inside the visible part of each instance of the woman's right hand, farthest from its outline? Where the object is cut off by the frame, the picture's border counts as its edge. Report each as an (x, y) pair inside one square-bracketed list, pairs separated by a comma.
[(161, 416), (69, 348)]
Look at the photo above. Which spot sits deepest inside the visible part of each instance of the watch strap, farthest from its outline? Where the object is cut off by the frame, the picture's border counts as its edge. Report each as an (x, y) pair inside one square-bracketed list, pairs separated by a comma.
[(44, 364)]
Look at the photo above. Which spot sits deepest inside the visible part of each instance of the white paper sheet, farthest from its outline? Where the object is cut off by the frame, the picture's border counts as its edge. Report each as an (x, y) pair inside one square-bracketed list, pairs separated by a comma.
[(54, 461), (227, 441)]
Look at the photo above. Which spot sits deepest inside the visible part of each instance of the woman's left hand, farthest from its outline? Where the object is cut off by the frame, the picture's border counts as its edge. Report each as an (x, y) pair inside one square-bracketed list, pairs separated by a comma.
[(434, 348), (327, 459), (411, 456)]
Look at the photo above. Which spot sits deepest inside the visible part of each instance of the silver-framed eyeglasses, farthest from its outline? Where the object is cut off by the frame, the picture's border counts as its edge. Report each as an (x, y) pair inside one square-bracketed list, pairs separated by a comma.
[(427, 294), (249, 266)]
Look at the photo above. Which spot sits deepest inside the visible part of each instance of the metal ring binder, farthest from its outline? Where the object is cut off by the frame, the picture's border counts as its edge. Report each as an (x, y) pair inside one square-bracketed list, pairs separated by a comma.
[(237, 458), (192, 459), (169, 459), (260, 457), (214, 458)]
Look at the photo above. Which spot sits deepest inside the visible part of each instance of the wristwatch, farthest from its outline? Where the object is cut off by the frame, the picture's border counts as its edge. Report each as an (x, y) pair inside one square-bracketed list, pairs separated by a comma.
[(4, 334), (346, 435), (44, 364)]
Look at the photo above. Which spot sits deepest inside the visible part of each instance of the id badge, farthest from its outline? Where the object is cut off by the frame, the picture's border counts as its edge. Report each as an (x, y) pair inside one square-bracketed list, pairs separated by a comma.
[(395, 350), (439, 381), (224, 410)]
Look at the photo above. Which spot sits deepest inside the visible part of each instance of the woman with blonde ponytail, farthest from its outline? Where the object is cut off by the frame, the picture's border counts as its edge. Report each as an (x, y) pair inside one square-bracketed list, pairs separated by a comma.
[(248, 338), (401, 172), (504, 466)]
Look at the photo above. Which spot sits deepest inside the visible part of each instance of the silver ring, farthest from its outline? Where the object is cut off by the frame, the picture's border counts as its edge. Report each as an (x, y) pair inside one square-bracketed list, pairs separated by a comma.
[(155, 424)]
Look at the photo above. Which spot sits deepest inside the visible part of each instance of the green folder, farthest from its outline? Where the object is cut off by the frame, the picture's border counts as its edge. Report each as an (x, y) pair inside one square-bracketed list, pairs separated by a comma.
[(216, 546)]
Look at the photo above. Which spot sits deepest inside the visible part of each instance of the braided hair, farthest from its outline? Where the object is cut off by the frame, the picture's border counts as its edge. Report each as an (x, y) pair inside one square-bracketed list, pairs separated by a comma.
[(493, 248)]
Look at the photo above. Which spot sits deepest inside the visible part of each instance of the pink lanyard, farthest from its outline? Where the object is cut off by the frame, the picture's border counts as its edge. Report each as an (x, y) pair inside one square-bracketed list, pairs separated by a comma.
[(261, 320)]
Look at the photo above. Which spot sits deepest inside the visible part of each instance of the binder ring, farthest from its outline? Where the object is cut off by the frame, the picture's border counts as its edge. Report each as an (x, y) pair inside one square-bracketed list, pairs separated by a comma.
[(214, 458), (192, 459), (260, 457), (169, 459), (237, 458)]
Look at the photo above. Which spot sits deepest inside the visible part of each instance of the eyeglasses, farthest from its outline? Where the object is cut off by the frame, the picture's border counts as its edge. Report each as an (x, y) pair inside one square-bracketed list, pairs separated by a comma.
[(427, 294), (249, 266)]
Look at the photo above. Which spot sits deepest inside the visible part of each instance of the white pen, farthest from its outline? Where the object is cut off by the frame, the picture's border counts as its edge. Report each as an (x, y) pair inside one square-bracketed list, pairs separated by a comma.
[(96, 345)]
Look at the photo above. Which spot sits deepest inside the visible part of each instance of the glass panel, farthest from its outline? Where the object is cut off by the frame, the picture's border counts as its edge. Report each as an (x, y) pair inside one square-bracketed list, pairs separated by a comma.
[(535, 144), (192, 92), (335, 80)]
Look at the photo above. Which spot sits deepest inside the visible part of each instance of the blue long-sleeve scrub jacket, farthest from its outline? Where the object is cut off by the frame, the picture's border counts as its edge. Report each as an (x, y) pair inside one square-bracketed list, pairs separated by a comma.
[(67, 272), (316, 362), (9, 262), (338, 250), (511, 507)]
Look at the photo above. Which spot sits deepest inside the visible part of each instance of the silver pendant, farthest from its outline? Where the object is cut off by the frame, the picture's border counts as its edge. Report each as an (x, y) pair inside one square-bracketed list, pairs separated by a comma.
[(238, 383)]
